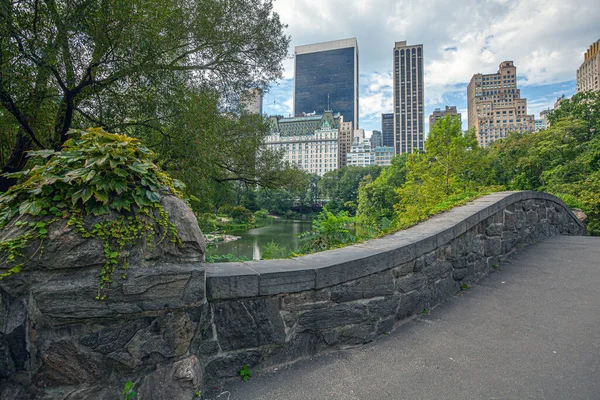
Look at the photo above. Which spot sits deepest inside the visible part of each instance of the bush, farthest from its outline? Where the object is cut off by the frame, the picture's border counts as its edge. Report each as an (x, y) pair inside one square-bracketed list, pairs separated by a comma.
[(242, 215), (96, 173), (208, 222), (225, 210), (328, 231), (262, 214), (274, 251)]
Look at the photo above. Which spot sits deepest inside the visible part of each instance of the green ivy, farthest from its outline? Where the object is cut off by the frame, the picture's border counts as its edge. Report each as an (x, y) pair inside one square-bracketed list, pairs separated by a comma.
[(95, 173)]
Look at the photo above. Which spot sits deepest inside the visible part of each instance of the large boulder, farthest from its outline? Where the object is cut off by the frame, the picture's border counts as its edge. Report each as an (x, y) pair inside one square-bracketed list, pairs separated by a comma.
[(57, 341)]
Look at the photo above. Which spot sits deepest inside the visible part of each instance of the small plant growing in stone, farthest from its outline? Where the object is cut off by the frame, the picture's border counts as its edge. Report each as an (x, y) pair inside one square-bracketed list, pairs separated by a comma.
[(426, 311), (128, 391), (464, 286), (495, 266), (245, 373), (198, 393)]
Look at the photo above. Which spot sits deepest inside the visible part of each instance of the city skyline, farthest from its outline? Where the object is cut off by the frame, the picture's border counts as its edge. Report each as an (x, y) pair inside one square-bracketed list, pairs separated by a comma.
[(548, 52)]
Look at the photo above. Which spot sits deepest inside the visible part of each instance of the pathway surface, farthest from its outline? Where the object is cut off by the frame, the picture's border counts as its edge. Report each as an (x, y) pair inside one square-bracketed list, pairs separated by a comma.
[(531, 330)]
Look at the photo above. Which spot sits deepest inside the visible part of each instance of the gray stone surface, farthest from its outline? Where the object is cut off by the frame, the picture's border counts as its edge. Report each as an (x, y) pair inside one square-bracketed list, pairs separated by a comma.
[(171, 329), (528, 331)]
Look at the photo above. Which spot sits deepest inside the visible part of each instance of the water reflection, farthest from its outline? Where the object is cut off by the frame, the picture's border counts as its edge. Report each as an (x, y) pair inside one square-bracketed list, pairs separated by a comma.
[(253, 241)]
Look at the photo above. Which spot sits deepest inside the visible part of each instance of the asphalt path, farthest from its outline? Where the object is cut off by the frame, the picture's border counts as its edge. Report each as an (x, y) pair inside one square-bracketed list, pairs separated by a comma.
[(530, 330)]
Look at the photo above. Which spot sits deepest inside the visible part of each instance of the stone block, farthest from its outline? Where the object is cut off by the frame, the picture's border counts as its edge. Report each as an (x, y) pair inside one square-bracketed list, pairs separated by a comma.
[(307, 300), (460, 274), (494, 229), (411, 282), (284, 276), (532, 217), (177, 381), (410, 303), (403, 269), (437, 270), (383, 308), (332, 317), (248, 323), (229, 365), (63, 364), (231, 281), (492, 246), (357, 334), (380, 284)]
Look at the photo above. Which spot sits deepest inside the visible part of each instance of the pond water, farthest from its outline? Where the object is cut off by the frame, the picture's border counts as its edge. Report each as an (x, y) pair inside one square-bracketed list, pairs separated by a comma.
[(253, 241)]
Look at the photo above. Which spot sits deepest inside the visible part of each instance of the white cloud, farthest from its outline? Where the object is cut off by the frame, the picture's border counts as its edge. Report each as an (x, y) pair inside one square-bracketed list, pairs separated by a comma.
[(545, 38)]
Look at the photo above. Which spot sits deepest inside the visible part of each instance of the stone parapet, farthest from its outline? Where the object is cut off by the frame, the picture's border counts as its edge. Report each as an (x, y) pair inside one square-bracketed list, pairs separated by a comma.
[(174, 328)]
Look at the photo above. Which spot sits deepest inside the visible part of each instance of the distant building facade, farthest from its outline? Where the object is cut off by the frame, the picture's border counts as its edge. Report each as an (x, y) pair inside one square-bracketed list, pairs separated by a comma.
[(387, 129), (360, 153), (376, 139), (384, 155), (588, 75), (326, 78), (544, 117), (345, 139), (408, 97), (252, 101), (495, 105), (438, 114), (310, 142)]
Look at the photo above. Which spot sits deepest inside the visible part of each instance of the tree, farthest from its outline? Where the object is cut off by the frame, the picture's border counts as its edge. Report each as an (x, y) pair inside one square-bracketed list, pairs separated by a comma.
[(129, 66)]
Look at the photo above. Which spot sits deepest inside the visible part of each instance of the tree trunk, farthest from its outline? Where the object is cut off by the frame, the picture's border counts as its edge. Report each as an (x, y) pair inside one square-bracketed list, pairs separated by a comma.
[(17, 159)]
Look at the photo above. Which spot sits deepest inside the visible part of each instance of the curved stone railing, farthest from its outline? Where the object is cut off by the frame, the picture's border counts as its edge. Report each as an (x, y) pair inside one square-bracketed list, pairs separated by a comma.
[(173, 327), (276, 311)]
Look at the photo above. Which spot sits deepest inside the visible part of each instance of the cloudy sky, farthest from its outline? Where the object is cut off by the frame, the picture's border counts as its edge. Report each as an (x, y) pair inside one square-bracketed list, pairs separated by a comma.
[(545, 38)]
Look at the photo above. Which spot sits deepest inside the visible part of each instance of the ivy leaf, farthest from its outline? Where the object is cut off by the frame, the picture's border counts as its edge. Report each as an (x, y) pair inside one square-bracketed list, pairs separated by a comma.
[(30, 207), (91, 175), (119, 186), (153, 196), (121, 203), (42, 153), (139, 167), (101, 197)]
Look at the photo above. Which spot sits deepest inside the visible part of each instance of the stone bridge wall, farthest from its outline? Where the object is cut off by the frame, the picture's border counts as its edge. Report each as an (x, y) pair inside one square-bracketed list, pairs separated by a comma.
[(176, 328)]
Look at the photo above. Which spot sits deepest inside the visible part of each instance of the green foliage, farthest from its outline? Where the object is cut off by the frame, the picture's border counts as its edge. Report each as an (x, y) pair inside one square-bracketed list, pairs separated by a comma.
[(328, 231), (275, 251), (377, 197), (95, 173), (242, 215), (128, 391), (464, 286), (245, 373), (207, 222), (261, 214), (225, 258), (341, 186), (157, 70)]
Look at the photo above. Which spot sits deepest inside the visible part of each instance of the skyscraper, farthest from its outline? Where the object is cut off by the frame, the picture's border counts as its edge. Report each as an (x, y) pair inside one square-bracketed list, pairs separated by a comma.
[(376, 139), (326, 78), (495, 105), (588, 75), (438, 114), (408, 97), (387, 129), (252, 101)]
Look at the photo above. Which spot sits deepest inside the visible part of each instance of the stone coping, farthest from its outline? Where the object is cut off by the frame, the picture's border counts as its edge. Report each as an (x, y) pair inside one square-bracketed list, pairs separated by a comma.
[(332, 267)]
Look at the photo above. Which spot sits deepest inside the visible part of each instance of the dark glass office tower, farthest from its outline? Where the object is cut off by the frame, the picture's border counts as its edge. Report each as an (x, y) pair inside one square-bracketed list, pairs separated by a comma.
[(326, 78), (408, 98), (387, 129)]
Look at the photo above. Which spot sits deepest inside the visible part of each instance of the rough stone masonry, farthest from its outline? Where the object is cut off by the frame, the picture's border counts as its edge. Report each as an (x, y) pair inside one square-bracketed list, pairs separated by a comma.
[(176, 326)]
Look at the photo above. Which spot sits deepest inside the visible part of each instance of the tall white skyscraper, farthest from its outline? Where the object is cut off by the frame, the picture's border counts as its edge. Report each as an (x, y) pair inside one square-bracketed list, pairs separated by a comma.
[(408, 98)]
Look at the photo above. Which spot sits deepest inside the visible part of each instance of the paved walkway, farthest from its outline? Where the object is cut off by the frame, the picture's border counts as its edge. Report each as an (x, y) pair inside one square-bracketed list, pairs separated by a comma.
[(529, 331)]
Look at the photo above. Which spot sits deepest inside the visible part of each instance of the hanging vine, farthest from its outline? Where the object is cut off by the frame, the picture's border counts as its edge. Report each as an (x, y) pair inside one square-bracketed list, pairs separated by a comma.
[(96, 173)]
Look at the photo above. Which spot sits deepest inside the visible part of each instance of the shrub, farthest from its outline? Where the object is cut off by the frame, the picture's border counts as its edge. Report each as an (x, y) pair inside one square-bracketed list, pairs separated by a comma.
[(242, 215), (95, 173), (274, 251)]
